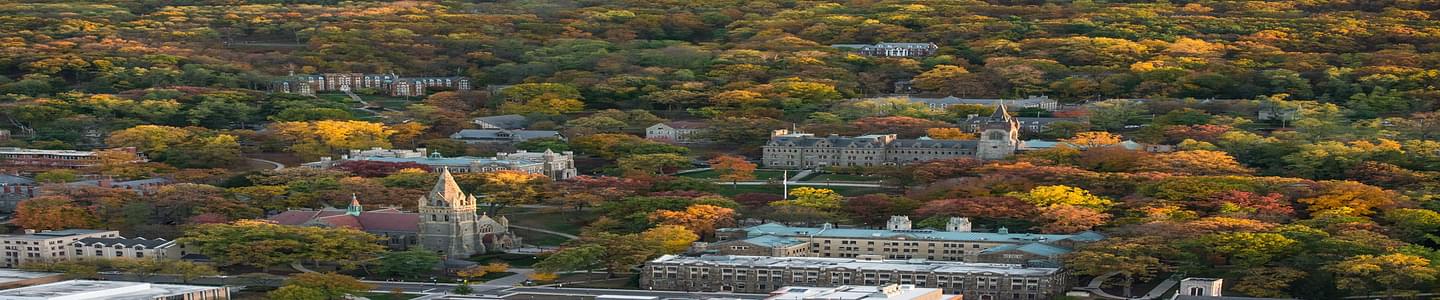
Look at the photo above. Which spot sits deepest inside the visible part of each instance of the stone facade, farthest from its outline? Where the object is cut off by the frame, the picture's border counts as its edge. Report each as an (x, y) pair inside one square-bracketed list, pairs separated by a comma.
[(676, 132), (892, 49), (762, 274), (899, 241), (132, 248), (999, 139), (45, 246), (449, 222), (556, 165), (391, 84)]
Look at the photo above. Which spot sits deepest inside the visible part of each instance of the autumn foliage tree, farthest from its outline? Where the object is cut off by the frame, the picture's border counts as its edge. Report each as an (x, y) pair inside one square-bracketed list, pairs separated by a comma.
[(732, 168), (700, 218)]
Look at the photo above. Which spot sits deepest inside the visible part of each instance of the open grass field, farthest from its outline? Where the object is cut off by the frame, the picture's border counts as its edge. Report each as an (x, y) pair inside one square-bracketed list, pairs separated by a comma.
[(841, 177), (759, 174), (562, 220), (729, 190)]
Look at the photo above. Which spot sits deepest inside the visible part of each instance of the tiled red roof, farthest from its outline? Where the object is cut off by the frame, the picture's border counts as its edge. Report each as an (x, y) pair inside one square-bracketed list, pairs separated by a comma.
[(346, 221), (299, 217), (386, 219), (390, 221)]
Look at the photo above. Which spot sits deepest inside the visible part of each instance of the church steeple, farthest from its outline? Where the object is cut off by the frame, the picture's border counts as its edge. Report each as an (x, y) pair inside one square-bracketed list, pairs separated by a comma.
[(354, 209), (1000, 112), (447, 190)]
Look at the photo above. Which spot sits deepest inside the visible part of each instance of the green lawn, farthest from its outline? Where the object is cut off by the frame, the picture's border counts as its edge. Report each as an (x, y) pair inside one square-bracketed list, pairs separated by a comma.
[(515, 260), (562, 220), (842, 177), (539, 238), (493, 276), (759, 174), (729, 190)]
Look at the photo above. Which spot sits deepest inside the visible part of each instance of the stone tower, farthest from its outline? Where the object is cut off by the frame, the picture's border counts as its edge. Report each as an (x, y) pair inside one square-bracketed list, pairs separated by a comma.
[(1204, 287), (447, 219), (898, 223), (999, 135), (958, 224)]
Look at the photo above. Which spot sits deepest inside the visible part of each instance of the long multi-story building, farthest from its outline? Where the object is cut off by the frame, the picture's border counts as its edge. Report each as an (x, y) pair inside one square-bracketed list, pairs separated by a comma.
[(45, 246), (861, 292), (115, 290), (760, 274), (1041, 102), (899, 241), (999, 138), (891, 49), (391, 84), (558, 166), (40, 159)]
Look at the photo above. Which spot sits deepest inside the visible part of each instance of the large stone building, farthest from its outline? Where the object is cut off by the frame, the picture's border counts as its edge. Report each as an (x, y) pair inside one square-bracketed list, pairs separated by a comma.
[(502, 136), (447, 222), (1041, 102), (974, 123), (861, 292), (761, 274), (133, 248), (558, 166), (115, 290), (45, 246), (999, 138), (898, 241), (677, 131), (390, 84), (891, 49), (35, 160)]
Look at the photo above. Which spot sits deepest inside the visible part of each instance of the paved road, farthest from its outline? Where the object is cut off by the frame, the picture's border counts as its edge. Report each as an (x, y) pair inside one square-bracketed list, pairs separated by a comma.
[(805, 183), (277, 165), (562, 234)]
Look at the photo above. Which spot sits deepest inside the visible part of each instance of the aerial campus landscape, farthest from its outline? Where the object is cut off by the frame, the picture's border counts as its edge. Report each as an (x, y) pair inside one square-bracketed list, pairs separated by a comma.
[(719, 149)]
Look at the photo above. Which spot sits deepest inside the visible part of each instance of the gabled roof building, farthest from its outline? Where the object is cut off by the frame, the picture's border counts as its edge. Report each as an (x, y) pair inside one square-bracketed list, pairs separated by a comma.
[(447, 222), (999, 139), (900, 241)]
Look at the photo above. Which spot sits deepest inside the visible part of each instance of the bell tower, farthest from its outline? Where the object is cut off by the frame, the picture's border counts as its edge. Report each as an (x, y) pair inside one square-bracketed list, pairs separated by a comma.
[(447, 218), (999, 136)]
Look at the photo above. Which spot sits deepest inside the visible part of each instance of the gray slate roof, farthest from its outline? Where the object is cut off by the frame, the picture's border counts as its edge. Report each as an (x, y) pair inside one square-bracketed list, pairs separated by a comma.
[(148, 243), (503, 134), (505, 121)]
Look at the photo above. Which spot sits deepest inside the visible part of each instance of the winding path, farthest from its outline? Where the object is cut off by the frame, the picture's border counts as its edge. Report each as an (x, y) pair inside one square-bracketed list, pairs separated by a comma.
[(561, 234), (277, 165)]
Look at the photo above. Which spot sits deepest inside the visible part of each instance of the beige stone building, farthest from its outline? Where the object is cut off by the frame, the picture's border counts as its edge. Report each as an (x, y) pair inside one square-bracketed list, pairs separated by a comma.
[(45, 246), (131, 248), (999, 138), (899, 241), (861, 292), (762, 274)]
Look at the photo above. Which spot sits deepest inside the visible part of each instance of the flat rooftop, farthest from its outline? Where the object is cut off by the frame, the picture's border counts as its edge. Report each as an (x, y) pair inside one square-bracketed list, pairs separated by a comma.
[(827, 263), (95, 289), (45, 235), (13, 275)]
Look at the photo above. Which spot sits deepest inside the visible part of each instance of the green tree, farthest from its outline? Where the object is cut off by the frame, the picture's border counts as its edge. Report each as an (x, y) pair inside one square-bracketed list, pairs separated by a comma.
[(411, 263), (1391, 274), (330, 286)]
